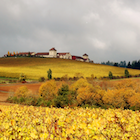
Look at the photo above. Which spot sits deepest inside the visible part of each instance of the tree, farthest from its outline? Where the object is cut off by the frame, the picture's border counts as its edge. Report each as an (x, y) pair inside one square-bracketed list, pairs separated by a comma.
[(110, 75), (126, 73), (62, 99), (8, 53), (49, 74), (29, 54), (116, 64), (48, 90), (14, 53), (129, 65)]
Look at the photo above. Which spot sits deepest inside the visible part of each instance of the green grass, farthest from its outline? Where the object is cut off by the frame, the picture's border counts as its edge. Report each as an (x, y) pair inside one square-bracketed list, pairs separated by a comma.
[(34, 68)]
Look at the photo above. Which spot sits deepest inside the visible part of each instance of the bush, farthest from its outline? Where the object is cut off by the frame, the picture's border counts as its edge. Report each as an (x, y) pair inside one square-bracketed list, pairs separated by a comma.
[(126, 73), (80, 83), (119, 98), (65, 77), (14, 99), (48, 90), (40, 102), (22, 77), (41, 79), (29, 101), (22, 92), (21, 99), (62, 99), (110, 75)]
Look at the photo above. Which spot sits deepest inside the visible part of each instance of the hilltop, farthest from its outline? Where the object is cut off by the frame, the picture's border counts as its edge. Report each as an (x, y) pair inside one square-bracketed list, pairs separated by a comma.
[(34, 68)]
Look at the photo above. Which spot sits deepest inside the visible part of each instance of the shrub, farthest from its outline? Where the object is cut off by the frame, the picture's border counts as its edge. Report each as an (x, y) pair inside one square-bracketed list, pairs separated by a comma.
[(29, 101), (126, 73), (79, 83), (21, 99), (62, 99), (118, 97), (90, 95), (134, 101), (41, 79), (22, 77), (14, 99), (110, 75), (48, 90), (22, 92), (65, 77), (84, 95), (126, 84)]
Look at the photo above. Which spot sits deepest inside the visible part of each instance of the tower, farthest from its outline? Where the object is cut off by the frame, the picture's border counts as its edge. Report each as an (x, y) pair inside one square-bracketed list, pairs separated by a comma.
[(52, 52)]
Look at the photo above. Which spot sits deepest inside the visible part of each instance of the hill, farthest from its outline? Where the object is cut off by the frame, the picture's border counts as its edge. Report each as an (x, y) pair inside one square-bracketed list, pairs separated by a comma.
[(34, 68)]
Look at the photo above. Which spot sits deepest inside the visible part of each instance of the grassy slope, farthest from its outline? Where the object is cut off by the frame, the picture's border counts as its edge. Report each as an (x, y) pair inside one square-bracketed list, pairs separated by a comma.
[(34, 68)]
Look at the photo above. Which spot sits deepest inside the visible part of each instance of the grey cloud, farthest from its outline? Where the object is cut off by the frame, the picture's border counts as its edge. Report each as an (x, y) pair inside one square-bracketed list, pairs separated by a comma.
[(105, 30)]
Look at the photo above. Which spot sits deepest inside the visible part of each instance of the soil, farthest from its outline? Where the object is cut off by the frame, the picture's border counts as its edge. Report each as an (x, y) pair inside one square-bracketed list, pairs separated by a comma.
[(6, 88)]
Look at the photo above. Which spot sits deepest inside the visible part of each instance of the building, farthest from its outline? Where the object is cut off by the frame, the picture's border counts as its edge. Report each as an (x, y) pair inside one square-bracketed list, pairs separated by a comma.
[(53, 54), (85, 57), (64, 55), (78, 58), (42, 54), (25, 54)]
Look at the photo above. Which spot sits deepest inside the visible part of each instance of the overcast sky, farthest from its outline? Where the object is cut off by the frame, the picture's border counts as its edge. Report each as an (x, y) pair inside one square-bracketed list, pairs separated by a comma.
[(104, 29)]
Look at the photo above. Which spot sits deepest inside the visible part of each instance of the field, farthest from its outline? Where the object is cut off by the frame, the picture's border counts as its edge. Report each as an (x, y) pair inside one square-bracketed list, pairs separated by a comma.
[(28, 122), (22, 122), (5, 89), (34, 68)]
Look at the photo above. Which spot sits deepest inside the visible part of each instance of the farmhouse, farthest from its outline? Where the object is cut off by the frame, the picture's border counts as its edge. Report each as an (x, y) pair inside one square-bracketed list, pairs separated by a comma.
[(53, 54)]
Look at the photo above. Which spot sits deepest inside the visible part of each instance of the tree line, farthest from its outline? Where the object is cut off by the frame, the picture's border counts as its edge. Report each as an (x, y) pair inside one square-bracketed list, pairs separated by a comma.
[(134, 65)]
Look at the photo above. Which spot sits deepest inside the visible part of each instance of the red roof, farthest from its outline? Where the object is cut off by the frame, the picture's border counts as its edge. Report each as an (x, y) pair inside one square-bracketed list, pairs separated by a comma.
[(62, 53), (52, 49), (42, 53), (85, 54), (76, 57)]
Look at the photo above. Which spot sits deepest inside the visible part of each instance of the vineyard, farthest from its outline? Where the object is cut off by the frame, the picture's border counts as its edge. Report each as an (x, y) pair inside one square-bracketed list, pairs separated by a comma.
[(34, 68), (30, 123), (67, 110)]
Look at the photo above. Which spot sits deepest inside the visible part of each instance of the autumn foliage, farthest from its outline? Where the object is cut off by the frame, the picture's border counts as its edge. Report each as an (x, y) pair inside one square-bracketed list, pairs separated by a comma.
[(48, 90), (124, 94)]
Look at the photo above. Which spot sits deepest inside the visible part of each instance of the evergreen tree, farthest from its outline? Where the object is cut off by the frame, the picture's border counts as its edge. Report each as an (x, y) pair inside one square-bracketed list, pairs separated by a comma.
[(129, 65), (49, 74)]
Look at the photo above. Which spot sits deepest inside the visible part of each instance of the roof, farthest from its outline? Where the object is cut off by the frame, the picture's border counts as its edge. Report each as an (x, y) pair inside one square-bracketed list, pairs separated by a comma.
[(52, 49), (85, 54), (77, 57), (63, 53), (42, 53)]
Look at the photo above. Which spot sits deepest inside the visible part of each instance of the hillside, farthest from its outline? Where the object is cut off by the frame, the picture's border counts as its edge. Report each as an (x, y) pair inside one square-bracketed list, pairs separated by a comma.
[(34, 68)]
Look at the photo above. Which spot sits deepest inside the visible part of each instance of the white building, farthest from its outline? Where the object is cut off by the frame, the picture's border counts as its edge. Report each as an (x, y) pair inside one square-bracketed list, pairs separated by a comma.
[(53, 54), (85, 57), (64, 55)]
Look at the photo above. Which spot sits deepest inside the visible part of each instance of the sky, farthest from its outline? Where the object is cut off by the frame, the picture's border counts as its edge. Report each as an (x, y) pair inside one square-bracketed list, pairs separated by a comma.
[(104, 29)]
